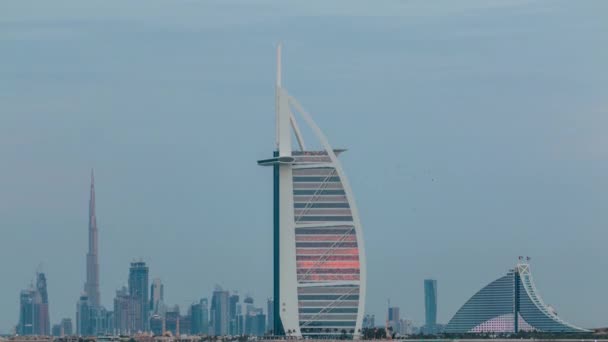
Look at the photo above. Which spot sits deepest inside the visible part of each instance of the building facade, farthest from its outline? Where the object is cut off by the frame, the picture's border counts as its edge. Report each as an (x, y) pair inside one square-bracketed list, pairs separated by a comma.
[(394, 319), (430, 306), (220, 314), (319, 259), (43, 320), (199, 313), (34, 309), (157, 297), (83, 317), (126, 310), (138, 290), (509, 304), (26, 312), (67, 328)]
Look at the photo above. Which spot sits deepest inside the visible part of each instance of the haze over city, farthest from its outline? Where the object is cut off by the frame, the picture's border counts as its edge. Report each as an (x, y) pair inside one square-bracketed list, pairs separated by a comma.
[(475, 133)]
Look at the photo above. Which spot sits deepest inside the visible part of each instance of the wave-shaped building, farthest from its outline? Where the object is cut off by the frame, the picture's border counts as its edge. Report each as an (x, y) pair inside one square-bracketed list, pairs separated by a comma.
[(319, 260), (509, 304)]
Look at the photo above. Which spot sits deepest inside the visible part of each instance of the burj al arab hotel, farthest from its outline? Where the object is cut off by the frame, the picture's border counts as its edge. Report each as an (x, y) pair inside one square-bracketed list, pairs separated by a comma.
[(319, 258)]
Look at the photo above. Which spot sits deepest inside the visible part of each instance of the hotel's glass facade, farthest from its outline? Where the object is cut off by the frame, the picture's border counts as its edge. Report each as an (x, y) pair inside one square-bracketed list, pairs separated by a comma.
[(494, 308), (326, 248)]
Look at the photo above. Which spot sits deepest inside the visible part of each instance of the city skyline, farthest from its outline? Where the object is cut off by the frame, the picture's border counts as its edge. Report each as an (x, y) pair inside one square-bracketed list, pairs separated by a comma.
[(467, 133)]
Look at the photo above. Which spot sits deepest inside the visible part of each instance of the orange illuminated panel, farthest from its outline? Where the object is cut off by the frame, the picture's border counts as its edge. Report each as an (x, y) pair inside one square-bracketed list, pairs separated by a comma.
[(322, 251), (328, 264), (331, 277)]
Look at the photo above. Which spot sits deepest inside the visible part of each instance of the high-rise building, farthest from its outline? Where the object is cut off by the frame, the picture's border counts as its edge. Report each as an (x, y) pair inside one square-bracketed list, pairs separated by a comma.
[(196, 315), (83, 317), (255, 323), (199, 314), (430, 306), (220, 315), (157, 296), (394, 319), (205, 317), (172, 321), (126, 309), (26, 312), (138, 289), (34, 309), (319, 261), (101, 321), (157, 324), (91, 287), (42, 321), (185, 325), (67, 327), (56, 330), (509, 304), (233, 300)]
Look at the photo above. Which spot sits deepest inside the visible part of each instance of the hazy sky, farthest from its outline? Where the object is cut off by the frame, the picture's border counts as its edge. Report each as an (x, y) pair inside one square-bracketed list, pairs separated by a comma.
[(476, 133)]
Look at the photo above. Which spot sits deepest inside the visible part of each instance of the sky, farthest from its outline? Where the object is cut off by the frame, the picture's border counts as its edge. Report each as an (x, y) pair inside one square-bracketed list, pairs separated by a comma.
[(475, 133)]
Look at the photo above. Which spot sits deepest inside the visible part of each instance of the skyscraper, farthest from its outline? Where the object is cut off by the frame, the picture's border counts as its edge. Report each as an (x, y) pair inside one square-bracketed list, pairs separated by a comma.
[(138, 290), (157, 296), (157, 324), (26, 312), (125, 311), (394, 319), (66, 327), (56, 330), (220, 315), (91, 287), (34, 309), (205, 317), (319, 259), (42, 319), (172, 321), (83, 317), (233, 300), (196, 318), (430, 306)]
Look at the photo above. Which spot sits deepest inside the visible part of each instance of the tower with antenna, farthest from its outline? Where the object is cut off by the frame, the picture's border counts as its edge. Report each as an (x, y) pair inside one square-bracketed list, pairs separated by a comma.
[(319, 259), (91, 286)]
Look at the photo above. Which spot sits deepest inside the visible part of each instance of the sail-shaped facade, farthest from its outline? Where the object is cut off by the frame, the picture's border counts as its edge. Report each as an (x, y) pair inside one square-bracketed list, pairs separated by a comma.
[(509, 304), (319, 259)]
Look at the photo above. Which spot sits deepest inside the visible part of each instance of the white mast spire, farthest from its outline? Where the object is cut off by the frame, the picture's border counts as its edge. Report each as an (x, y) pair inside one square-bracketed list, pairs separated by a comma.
[(279, 65), (277, 97)]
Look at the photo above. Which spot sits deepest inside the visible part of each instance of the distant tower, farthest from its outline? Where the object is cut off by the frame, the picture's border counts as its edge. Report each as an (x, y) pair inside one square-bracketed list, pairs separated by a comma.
[(91, 287), (83, 317), (26, 312), (66, 327), (205, 317), (157, 296), (220, 315), (394, 318), (43, 326), (138, 289), (430, 305)]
